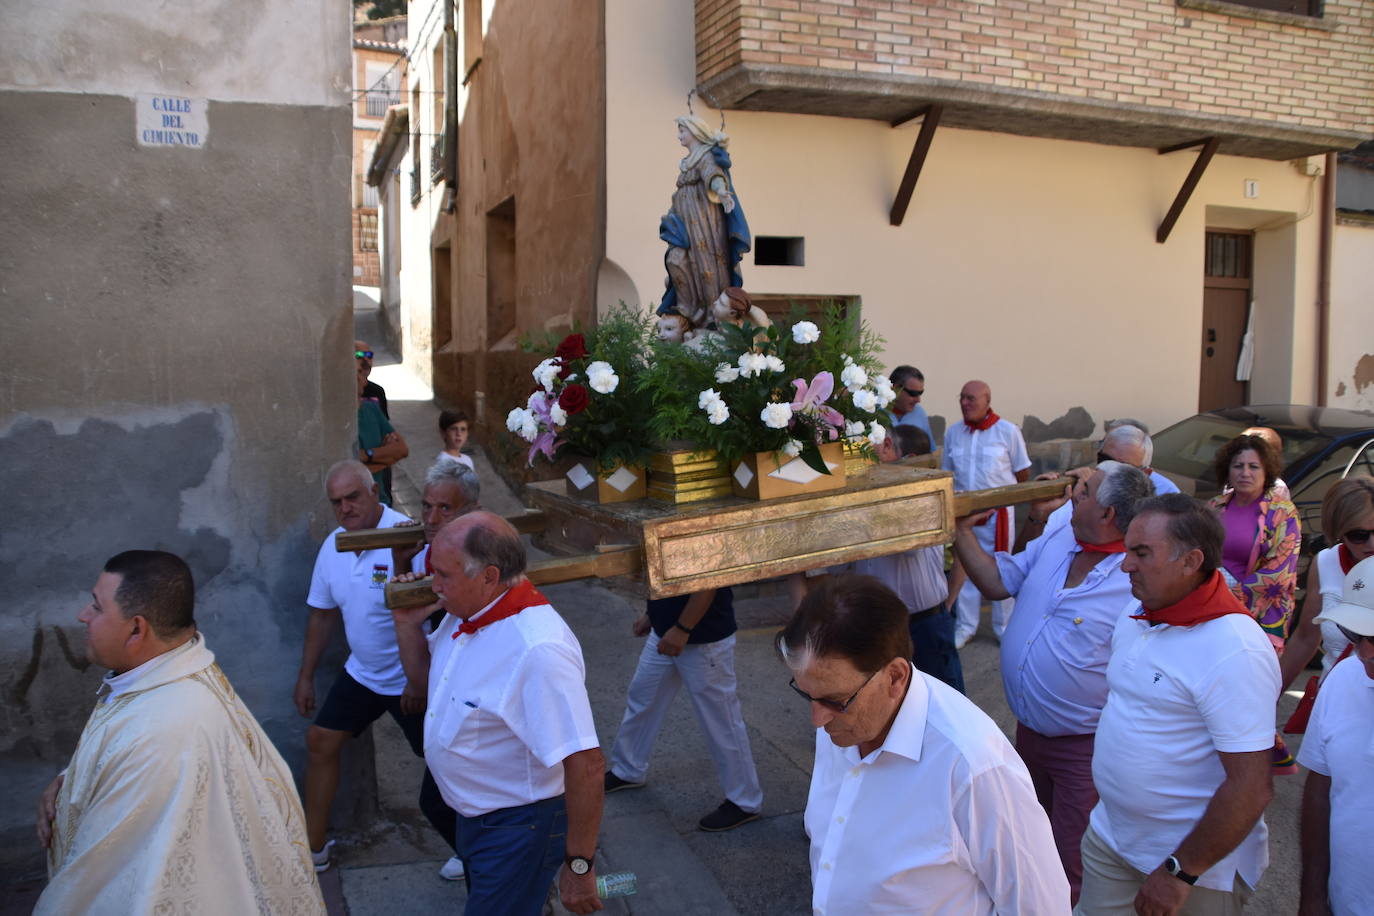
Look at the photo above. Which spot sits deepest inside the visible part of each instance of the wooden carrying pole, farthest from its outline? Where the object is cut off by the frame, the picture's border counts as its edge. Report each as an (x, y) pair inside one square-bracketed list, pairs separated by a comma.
[(410, 535), (622, 561)]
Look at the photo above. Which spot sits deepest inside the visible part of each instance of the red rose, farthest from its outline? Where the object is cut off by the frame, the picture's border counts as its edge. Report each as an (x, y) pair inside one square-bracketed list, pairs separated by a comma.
[(573, 398), (574, 346)]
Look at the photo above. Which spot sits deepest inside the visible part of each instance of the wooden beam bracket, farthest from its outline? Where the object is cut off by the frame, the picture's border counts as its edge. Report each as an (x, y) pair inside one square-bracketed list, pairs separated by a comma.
[(930, 119), (1209, 149)]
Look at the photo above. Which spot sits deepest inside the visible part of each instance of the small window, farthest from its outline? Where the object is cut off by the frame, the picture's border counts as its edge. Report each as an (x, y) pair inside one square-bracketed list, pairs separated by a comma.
[(367, 232), (780, 251)]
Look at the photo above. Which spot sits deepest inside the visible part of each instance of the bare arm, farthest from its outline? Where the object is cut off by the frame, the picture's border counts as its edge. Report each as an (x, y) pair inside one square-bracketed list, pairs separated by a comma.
[(1235, 807), (1306, 638), (1022, 475), (673, 641), (977, 563), (584, 786), (414, 648), (1316, 845), (392, 450), (318, 628)]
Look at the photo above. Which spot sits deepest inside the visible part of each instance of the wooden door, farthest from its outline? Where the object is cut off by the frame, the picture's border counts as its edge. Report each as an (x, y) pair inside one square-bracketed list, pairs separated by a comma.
[(1225, 309)]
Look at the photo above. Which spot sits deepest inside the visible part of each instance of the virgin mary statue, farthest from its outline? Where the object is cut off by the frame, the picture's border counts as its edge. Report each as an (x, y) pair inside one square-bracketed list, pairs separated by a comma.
[(705, 227)]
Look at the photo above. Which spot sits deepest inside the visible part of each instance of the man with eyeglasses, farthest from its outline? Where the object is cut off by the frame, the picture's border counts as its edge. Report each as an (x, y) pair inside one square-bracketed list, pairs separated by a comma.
[(906, 409), (917, 803), (1181, 761), (1337, 801)]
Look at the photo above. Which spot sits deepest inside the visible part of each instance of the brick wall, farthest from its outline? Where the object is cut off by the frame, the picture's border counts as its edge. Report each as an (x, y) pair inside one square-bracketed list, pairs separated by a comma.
[(1140, 52)]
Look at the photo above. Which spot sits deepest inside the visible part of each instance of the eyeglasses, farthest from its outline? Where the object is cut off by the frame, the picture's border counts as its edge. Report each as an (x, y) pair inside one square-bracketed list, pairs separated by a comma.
[(1358, 535), (914, 394), (362, 354), (1355, 638), (831, 705)]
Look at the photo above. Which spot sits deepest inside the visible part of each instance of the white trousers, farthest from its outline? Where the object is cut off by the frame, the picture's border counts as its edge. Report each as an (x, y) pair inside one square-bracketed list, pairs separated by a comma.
[(708, 671), (968, 605)]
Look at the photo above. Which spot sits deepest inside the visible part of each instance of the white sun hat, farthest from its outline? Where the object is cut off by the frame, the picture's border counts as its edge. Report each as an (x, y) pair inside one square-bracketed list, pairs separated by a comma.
[(1355, 610)]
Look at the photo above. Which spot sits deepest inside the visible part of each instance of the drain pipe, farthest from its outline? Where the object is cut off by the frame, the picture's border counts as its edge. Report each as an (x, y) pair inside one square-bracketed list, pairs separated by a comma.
[(1324, 244)]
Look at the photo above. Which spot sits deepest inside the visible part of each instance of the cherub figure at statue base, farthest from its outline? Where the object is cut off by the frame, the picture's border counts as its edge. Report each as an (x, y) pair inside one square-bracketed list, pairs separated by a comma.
[(733, 306)]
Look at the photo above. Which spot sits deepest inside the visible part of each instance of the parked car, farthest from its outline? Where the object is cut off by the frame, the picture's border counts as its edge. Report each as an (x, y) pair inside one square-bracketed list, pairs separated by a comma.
[(1321, 445)]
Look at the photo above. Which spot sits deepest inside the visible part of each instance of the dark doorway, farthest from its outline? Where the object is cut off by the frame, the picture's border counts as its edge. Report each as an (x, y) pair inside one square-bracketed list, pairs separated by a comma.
[(1225, 310)]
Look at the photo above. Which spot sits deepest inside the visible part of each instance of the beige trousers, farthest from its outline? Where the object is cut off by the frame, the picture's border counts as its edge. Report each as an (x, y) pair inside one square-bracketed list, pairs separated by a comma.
[(1110, 884)]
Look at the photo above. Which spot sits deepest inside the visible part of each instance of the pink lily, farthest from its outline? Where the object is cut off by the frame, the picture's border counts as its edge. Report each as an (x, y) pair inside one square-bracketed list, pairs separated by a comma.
[(812, 398), (547, 441)]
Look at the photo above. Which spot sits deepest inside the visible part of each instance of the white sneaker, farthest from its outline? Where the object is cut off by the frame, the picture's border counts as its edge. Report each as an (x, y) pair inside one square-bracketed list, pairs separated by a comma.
[(322, 859), (452, 870), (961, 641)]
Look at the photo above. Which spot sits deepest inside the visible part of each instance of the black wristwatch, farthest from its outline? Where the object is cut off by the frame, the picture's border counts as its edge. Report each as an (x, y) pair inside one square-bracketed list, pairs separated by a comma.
[(687, 630), (1172, 867), (368, 452), (578, 865)]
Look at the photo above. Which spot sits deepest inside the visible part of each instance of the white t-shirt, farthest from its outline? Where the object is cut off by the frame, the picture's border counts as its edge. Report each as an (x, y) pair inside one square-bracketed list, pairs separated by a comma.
[(461, 459), (1340, 744), (942, 819), (507, 705), (1177, 696), (1332, 587), (984, 458), (355, 583), (917, 575)]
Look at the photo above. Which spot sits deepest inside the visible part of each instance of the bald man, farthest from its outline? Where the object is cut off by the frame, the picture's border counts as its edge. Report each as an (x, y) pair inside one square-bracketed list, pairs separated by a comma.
[(983, 451), (508, 731)]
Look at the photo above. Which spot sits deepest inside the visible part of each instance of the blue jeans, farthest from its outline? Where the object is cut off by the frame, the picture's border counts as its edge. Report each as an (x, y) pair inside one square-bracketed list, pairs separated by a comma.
[(932, 646), (511, 856)]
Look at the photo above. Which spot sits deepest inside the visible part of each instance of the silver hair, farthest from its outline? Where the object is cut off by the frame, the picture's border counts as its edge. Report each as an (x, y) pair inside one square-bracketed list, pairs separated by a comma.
[(1122, 489), (462, 475), (1110, 425), (354, 468), (1134, 437), (494, 545)]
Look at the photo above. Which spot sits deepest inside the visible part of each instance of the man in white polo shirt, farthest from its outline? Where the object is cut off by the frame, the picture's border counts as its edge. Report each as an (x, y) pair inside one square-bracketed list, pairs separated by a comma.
[(917, 803), (508, 731), (1182, 757), (351, 586), (1338, 800), (983, 451), (1070, 591)]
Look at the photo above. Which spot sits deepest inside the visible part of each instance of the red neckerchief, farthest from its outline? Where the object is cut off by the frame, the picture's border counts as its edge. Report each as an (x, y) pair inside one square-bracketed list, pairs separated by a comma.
[(1347, 559), (429, 567), (899, 413), (984, 423), (1001, 532), (515, 600), (1118, 546), (1210, 600)]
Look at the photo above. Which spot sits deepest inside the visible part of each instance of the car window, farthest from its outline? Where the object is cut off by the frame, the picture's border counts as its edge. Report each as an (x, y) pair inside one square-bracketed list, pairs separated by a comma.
[(1186, 449), (1311, 490)]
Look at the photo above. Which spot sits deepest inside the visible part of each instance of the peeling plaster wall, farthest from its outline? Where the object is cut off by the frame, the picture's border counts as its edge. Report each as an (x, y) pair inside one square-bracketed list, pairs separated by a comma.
[(177, 328), (1351, 367)]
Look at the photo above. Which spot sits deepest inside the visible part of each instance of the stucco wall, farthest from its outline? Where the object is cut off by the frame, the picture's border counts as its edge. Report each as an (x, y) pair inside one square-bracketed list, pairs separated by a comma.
[(1351, 374), (1030, 263), (177, 329)]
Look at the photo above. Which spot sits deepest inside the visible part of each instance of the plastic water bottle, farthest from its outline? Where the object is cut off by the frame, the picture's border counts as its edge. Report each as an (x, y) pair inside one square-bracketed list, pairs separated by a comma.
[(616, 884)]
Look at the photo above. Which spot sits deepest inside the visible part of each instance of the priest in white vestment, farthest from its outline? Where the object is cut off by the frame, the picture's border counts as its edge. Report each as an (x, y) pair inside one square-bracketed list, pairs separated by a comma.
[(175, 800)]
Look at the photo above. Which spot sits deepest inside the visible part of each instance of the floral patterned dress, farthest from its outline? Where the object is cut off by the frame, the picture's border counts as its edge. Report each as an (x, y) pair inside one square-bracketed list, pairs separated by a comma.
[(1269, 585)]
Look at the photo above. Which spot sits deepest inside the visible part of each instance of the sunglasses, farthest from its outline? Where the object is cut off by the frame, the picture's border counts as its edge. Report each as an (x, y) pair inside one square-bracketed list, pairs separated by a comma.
[(1355, 638), (831, 705), (362, 354), (914, 394), (1358, 535)]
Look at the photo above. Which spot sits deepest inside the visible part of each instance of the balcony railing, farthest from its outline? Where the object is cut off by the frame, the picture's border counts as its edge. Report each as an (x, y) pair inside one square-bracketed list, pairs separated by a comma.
[(377, 101), (436, 160)]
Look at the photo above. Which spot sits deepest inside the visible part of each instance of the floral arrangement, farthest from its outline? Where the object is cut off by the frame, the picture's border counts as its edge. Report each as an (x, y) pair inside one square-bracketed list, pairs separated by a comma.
[(789, 388), (585, 399)]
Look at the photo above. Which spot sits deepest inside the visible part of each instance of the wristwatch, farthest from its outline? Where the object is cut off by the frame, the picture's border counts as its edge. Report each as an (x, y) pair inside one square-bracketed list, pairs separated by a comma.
[(578, 865), (1172, 867), (368, 452)]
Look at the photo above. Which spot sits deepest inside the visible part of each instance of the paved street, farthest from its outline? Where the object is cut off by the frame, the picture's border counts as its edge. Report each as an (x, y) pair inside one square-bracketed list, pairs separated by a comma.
[(760, 868)]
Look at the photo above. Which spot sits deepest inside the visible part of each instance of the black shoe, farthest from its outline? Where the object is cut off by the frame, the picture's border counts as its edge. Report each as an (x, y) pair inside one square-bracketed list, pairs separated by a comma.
[(727, 817), (614, 783)]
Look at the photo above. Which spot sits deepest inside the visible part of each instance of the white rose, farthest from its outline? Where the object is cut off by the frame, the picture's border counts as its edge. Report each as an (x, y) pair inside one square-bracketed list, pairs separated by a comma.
[(529, 428), (774, 364), (805, 332), (883, 387), (853, 377), (792, 448), (854, 428), (717, 412), (602, 377), (516, 419), (546, 373), (557, 415), (876, 433), (751, 364), (776, 416), (865, 400), (726, 373), (707, 398)]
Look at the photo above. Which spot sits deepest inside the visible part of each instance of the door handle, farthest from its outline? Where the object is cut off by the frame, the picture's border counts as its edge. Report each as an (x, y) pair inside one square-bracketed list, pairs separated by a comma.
[(1211, 335)]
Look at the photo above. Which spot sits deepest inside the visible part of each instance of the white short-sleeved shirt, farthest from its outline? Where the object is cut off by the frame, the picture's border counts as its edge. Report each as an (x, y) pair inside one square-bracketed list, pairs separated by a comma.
[(443, 457), (1332, 585), (1058, 640), (1176, 697), (355, 583), (917, 576), (1340, 744), (507, 705), (986, 457), (942, 819)]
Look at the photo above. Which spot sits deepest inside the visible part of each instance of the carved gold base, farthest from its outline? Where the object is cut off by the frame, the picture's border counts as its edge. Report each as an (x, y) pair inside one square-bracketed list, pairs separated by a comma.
[(685, 476), (855, 461), (770, 475), (620, 484)]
